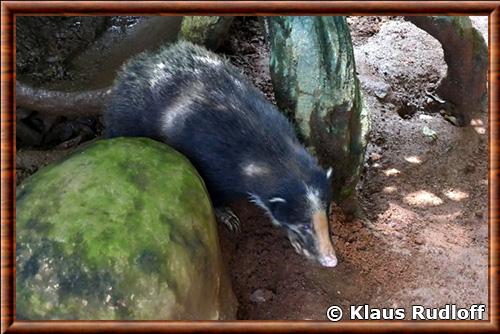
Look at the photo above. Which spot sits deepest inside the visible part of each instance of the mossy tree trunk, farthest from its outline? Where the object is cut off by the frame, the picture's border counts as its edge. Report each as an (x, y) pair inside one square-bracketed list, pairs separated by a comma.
[(315, 84)]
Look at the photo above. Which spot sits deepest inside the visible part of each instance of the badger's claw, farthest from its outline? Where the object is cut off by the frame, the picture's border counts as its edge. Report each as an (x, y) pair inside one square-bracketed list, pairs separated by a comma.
[(226, 215)]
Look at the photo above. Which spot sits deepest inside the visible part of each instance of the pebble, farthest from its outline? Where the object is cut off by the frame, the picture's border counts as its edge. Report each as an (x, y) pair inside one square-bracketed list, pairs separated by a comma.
[(378, 88), (419, 240), (261, 296), (375, 156), (381, 90), (361, 247), (470, 168), (380, 141)]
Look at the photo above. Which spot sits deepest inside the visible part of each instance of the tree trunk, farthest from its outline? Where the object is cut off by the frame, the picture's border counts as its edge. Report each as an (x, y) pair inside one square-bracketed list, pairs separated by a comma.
[(315, 83)]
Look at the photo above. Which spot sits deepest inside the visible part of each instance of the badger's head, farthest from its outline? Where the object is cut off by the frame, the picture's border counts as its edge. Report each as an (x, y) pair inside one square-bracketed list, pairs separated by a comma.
[(302, 208)]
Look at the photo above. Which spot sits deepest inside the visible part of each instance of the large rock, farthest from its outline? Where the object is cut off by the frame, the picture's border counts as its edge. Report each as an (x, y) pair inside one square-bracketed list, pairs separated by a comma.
[(314, 79), (121, 230)]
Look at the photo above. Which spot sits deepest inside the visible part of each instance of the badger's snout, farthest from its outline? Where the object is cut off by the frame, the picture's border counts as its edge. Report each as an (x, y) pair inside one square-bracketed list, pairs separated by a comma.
[(324, 247), (328, 261), (315, 244)]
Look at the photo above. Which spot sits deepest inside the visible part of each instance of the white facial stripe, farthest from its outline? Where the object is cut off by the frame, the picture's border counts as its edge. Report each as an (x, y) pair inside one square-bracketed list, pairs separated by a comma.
[(274, 221), (277, 199), (296, 246), (329, 172), (294, 228), (315, 203), (257, 201)]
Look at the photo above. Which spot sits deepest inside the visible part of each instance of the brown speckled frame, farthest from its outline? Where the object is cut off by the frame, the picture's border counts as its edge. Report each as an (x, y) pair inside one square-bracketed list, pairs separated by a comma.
[(10, 9)]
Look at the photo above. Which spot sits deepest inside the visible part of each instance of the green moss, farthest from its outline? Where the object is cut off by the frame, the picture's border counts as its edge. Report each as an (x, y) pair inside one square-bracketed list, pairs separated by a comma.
[(205, 30), (117, 231)]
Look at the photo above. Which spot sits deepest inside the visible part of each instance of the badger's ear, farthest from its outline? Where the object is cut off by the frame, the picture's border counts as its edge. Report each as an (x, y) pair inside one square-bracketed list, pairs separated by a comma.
[(277, 200), (329, 173)]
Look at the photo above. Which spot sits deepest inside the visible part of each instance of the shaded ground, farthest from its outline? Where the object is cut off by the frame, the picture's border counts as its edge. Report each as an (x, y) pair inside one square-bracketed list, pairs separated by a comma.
[(423, 239)]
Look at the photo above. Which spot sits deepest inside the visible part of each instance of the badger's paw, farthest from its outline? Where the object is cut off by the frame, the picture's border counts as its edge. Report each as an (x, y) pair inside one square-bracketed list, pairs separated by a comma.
[(226, 215)]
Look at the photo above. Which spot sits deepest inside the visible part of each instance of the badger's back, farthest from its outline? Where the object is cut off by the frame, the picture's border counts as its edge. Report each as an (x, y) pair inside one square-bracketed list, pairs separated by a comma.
[(202, 106)]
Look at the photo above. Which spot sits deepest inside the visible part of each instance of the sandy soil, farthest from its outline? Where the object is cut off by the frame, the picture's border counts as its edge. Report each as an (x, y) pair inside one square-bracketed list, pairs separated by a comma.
[(423, 238)]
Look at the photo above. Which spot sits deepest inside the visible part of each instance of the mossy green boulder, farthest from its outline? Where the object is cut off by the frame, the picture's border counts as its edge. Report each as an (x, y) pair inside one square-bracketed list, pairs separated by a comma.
[(123, 229)]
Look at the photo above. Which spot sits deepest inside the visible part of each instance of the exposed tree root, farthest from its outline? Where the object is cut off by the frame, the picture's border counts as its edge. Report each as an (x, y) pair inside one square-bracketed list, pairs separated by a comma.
[(79, 103), (466, 55)]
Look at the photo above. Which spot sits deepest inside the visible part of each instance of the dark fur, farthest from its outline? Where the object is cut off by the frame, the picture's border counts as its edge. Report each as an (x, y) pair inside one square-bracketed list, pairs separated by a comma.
[(227, 126)]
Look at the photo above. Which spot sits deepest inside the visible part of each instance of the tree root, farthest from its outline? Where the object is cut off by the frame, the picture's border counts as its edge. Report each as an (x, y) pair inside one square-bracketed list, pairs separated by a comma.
[(79, 103), (466, 55)]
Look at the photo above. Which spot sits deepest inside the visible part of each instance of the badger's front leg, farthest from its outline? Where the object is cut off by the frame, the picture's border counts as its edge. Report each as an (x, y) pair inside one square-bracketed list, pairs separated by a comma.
[(228, 217)]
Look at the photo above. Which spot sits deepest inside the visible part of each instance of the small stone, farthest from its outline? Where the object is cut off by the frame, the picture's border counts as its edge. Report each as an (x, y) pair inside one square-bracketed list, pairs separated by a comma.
[(53, 59), (375, 156), (425, 117), (379, 88), (470, 168), (478, 214), (419, 240), (261, 296), (398, 235), (361, 247), (380, 141), (429, 133)]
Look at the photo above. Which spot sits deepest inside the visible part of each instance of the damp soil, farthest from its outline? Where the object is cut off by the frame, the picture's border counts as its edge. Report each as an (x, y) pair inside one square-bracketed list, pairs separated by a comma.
[(422, 236)]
